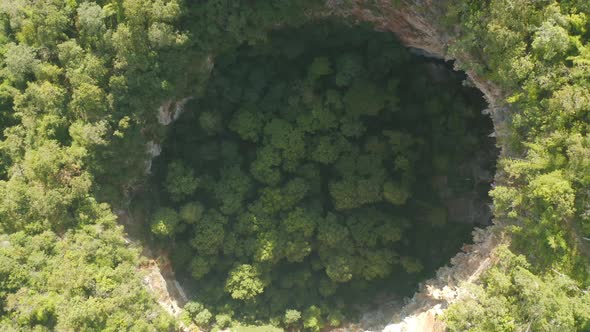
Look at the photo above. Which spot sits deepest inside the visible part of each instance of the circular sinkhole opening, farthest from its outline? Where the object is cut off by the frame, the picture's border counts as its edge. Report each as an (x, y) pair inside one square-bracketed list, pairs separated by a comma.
[(317, 172)]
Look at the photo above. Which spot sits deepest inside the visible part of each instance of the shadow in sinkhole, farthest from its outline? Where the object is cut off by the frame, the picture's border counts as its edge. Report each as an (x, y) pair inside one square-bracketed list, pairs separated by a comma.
[(316, 172)]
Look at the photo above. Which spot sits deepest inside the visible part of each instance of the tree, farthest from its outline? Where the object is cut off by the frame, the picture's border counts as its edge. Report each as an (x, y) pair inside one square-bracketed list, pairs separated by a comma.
[(244, 282), (363, 226), (164, 222), (264, 168), (555, 192), (351, 127), (209, 233), (340, 268), (200, 266), (273, 200), (326, 150), (344, 194), (180, 181), (296, 249), (312, 318), (266, 247), (300, 221), (88, 135), (46, 25), (511, 297), (318, 118), (335, 318), (550, 41), (288, 140), (320, 66), (395, 194), (197, 313), (248, 124), (232, 189), (87, 70), (376, 264), (163, 35), (291, 316), (42, 97), (364, 98), (223, 320), (411, 264), (203, 318), (191, 212), (20, 61), (88, 102), (73, 281), (210, 122), (348, 67), (91, 23), (332, 233)]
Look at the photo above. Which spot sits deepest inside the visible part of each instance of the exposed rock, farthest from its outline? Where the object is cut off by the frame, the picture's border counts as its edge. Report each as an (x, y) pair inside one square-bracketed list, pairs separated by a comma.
[(425, 321), (157, 272), (170, 110), (153, 149), (167, 291)]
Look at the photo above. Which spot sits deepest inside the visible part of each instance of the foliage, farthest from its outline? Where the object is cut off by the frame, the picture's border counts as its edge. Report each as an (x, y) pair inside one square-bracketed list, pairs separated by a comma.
[(75, 87), (537, 56), (292, 316), (191, 212), (86, 280), (164, 222), (309, 175), (511, 298), (180, 181), (244, 282), (305, 167), (197, 313)]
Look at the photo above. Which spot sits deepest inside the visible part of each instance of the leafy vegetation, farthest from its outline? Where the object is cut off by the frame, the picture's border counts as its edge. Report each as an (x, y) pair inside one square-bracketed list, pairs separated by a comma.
[(77, 82), (306, 173), (288, 183), (512, 298), (539, 56)]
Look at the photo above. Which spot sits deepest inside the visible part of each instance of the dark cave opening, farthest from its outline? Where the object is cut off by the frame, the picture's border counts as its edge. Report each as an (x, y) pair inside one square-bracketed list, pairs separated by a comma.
[(321, 169)]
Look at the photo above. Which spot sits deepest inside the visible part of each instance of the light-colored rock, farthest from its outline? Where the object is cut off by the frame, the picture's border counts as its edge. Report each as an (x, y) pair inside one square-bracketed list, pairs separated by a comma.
[(170, 110), (153, 150)]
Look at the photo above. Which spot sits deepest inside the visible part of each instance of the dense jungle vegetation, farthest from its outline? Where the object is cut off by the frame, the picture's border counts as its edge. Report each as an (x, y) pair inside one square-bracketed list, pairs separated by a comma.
[(539, 55), (311, 168), (298, 170)]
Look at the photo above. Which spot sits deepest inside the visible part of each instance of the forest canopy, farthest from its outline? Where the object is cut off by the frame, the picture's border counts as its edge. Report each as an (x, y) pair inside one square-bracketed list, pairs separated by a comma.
[(315, 163), (310, 172)]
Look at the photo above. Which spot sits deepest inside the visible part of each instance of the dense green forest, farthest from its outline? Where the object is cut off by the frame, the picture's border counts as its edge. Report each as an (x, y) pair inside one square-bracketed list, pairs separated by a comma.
[(304, 173), (310, 168)]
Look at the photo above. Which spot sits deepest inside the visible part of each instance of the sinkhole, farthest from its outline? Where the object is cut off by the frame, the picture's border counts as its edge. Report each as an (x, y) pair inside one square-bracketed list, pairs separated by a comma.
[(316, 172)]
